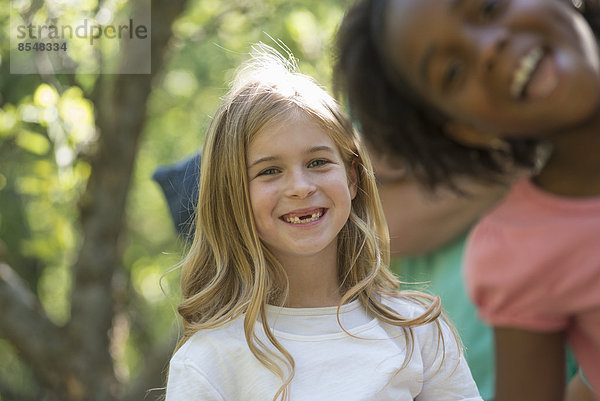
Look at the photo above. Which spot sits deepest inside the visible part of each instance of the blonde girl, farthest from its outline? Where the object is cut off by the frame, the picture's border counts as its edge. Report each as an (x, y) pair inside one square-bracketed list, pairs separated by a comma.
[(286, 289)]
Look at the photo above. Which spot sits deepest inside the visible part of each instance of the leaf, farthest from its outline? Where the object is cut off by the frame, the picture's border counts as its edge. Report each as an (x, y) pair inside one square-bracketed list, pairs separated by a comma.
[(33, 142)]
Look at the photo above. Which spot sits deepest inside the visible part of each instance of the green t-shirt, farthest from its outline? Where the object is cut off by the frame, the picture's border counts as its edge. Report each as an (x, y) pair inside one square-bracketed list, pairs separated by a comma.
[(441, 274)]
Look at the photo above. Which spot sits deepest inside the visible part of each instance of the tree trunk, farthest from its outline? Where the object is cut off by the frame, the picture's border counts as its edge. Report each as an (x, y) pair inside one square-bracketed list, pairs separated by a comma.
[(74, 363)]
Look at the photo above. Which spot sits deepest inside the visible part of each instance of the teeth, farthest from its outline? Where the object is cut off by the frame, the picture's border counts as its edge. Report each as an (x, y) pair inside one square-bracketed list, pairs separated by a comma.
[(524, 71), (297, 220)]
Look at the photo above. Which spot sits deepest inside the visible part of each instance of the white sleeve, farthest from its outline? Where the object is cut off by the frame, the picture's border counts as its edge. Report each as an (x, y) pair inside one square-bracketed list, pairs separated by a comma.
[(187, 383), (446, 375)]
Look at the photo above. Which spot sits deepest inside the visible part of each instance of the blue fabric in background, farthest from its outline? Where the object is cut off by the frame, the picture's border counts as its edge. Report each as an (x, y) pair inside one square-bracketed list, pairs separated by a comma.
[(179, 184)]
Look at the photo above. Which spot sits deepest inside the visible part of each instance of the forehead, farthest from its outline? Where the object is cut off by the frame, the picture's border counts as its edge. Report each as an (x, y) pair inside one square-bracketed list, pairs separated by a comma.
[(294, 131)]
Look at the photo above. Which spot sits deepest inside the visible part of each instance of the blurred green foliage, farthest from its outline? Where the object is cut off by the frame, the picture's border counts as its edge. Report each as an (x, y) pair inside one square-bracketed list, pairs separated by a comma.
[(47, 130)]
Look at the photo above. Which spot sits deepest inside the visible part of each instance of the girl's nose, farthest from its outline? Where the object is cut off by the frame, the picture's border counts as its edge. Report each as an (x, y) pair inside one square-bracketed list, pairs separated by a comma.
[(299, 185)]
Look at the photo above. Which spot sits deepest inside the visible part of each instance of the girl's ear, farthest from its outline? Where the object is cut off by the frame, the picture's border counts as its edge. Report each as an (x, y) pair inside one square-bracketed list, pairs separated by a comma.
[(353, 179), (473, 137)]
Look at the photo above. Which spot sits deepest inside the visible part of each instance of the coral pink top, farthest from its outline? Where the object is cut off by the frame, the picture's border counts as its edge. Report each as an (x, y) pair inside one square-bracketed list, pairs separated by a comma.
[(534, 263)]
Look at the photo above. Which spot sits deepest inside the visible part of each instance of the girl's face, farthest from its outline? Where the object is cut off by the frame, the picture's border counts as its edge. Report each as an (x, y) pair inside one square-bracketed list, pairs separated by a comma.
[(508, 67), (300, 191)]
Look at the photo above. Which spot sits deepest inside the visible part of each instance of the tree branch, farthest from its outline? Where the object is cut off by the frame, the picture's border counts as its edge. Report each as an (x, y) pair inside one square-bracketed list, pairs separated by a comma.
[(21, 315), (120, 115)]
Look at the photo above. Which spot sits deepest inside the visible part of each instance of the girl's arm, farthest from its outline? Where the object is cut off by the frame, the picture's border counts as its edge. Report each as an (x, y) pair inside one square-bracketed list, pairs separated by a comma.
[(530, 366)]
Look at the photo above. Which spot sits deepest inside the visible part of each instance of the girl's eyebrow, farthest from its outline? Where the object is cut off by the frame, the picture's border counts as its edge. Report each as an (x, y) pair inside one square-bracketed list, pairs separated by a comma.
[(261, 160), (313, 149)]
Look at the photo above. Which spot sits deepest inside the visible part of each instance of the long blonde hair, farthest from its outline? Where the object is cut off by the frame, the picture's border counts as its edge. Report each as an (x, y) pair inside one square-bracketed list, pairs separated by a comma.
[(228, 272)]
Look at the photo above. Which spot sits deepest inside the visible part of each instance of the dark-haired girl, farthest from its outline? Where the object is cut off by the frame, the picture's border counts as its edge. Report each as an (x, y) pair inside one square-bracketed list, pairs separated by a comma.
[(468, 89)]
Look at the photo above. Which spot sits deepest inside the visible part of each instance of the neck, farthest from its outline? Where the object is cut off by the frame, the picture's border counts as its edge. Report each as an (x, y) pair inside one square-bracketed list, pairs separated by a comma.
[(574, 168), (313, 280)]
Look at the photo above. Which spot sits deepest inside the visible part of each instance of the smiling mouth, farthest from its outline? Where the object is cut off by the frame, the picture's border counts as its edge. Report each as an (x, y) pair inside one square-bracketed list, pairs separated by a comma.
[(524, 71), (303, 217), (536, 76)]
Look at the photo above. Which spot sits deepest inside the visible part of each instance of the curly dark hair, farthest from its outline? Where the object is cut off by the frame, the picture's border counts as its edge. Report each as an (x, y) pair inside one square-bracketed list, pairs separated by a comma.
[(396, 122)]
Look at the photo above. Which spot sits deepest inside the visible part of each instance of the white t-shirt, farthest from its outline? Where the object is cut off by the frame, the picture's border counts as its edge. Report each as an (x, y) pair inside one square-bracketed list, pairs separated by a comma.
[(217, 365)]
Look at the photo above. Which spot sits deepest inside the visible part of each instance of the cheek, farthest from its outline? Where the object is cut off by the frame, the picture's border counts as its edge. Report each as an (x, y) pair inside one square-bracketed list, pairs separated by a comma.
[(343, 188), (262, 201), (254, 194), (256, 201), (474, 107)]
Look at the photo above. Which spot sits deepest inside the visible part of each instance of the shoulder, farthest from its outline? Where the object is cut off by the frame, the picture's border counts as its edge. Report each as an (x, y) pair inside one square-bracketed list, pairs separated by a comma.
[(512, 241), (197, 370), (437, 347), (406, 305), (427, 331), (204, 348), (209, 363), (430, 334)]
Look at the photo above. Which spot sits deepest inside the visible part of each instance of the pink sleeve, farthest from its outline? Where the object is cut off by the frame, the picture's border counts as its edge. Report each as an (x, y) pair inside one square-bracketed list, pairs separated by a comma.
[(508, 276)]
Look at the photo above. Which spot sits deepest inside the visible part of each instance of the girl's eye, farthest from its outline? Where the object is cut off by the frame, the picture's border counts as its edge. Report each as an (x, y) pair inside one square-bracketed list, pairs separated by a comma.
[(268, 171), (451, 74), (489, 8), (317, 163)]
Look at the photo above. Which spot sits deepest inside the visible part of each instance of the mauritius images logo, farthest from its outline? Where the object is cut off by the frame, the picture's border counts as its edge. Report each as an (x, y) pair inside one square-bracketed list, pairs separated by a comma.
[(57, 39)]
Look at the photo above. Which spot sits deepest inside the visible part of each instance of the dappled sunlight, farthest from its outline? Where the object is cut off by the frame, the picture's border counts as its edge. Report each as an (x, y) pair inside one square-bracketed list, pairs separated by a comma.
[(53, 133)]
